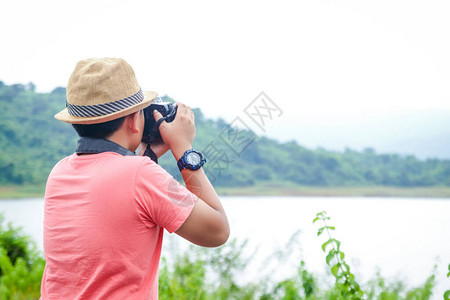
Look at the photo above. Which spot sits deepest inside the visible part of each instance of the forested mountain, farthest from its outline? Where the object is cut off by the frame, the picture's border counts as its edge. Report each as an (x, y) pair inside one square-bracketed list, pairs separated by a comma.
[(32, 141)]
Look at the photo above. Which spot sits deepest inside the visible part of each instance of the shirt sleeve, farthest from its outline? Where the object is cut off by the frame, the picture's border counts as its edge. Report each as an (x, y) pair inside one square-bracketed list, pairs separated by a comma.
[(161, 199)]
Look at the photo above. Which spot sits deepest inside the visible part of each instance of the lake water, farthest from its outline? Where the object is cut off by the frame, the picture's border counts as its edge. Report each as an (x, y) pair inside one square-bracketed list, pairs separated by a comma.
[(404, 238)]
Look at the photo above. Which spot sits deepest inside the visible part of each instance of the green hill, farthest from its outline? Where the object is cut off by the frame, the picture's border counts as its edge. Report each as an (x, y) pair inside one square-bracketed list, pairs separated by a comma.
[(31, 142)]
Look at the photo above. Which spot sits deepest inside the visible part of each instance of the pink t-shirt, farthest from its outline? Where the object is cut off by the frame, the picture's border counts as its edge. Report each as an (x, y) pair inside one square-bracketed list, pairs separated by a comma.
[(103, 226)]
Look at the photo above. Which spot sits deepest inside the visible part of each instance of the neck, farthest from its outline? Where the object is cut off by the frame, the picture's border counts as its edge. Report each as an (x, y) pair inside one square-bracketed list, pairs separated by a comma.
[(120, 141), (127, 135), (125, 138)]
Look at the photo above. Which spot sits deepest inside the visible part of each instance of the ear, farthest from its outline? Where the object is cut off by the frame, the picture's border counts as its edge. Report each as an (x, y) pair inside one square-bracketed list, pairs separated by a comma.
[(132, 122)]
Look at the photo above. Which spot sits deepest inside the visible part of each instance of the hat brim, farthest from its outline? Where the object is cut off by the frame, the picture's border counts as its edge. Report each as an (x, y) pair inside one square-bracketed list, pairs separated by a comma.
[(149, 97)]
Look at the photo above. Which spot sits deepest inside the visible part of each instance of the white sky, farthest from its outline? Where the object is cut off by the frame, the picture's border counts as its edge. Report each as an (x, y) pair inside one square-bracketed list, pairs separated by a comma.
[(325, 63)]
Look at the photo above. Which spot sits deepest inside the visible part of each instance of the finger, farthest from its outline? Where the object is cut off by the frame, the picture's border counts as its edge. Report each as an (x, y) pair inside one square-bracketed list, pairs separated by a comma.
[(181, 105), (181, 109), (157, 115)]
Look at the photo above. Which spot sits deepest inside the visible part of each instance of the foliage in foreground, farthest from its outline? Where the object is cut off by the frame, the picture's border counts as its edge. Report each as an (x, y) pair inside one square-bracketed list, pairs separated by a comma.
[(21, 265), (205, 274), (346, 284), (447, 292)]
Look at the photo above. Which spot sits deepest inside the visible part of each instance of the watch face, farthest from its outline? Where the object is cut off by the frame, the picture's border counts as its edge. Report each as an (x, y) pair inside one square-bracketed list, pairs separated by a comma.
[(193, 159)]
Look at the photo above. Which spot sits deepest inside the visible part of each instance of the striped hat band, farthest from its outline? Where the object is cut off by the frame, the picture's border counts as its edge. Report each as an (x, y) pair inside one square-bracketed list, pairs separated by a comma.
[(97, 110)]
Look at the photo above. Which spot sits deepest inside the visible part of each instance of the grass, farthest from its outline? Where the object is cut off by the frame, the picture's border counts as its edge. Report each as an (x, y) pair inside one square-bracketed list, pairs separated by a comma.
[(276, 189), (367, 191), (25, 191)]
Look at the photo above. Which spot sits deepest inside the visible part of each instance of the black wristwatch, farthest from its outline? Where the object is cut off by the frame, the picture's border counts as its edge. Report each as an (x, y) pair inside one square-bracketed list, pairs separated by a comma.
[(192, 160)]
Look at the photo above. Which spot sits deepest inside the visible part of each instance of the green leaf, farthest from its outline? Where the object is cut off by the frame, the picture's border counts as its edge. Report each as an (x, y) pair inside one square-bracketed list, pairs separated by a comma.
[(320, 215), (316, 219), (347, 267), (342, 255), (330, 256), (447, 295), (335, 269), (324, 245), (338, 244), (320, 231), (330, 227)]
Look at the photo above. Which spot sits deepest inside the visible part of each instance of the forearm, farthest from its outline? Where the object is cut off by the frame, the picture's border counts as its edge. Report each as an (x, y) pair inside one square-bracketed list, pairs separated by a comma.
[(198, 183), (207, 225)]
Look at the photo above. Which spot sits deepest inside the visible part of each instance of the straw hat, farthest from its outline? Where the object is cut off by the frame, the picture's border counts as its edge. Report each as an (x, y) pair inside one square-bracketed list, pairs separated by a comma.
[(101, 90)]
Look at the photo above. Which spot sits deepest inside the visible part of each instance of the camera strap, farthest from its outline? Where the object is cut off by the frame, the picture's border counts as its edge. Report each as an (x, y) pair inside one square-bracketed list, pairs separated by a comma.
[(149, 152), (155, 127)]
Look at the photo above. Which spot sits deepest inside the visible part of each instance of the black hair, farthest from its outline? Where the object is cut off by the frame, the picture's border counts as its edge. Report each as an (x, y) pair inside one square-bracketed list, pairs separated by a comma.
[(99, 130)]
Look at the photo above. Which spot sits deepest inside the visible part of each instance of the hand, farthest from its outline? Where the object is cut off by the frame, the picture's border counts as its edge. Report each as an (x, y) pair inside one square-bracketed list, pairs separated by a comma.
[(179, 134)]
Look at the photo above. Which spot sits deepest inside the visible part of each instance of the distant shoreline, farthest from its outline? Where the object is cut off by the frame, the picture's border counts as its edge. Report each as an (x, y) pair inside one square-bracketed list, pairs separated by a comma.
[(367, 191), (29, 191)]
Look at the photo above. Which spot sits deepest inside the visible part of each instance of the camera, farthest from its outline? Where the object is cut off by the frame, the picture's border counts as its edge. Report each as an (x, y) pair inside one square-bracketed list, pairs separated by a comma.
[(168, 111)]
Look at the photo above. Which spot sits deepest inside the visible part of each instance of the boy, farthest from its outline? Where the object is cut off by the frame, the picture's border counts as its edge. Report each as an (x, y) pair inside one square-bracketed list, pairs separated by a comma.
[(105, 207)]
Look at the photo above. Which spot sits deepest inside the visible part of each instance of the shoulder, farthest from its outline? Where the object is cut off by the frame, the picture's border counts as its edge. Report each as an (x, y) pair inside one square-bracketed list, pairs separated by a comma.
[(139, 165), (148, 167), (62, 163), (113, 161)]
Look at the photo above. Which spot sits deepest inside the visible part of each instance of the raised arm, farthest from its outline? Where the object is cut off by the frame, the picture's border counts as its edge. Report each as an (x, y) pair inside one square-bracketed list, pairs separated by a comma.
[(207, 224)]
